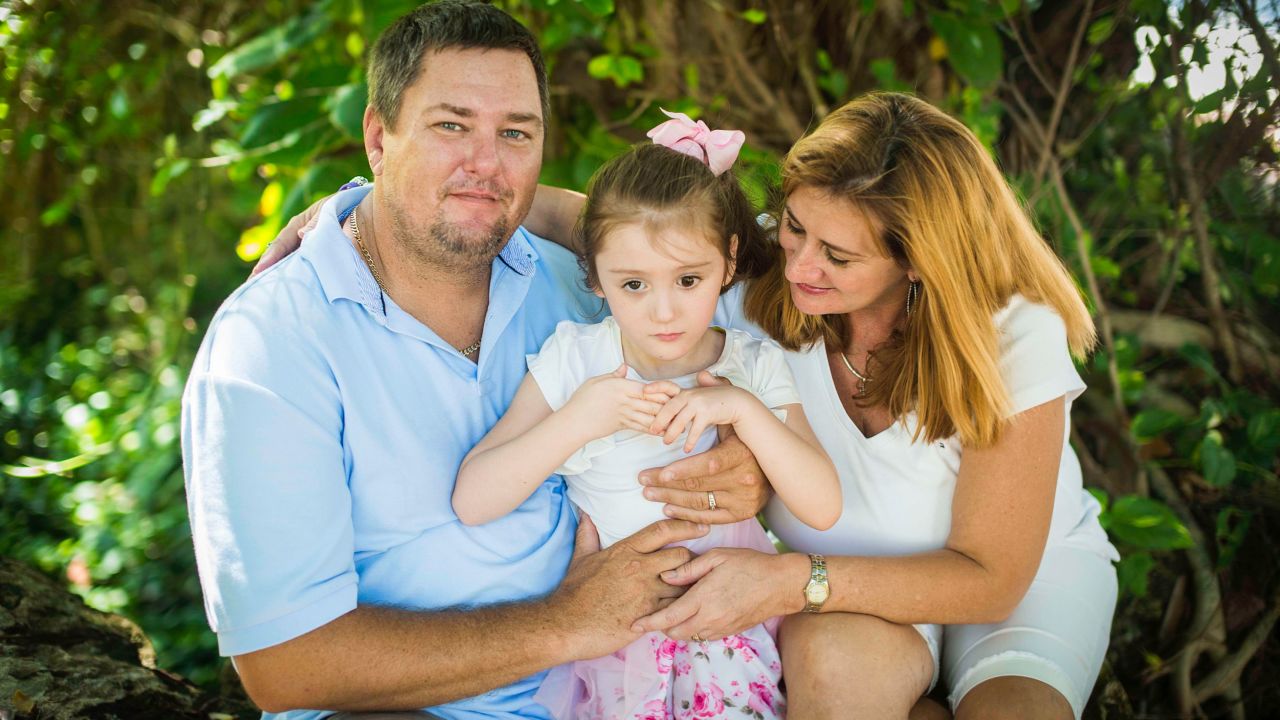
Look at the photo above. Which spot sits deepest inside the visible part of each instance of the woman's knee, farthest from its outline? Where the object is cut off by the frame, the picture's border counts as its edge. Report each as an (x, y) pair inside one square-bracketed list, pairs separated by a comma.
[(830, 650), (1010, 698)]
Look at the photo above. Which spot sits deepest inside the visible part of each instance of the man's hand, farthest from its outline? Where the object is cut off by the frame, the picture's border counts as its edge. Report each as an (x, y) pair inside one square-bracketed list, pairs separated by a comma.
[(290, 237), (729, 470), (606, 591)]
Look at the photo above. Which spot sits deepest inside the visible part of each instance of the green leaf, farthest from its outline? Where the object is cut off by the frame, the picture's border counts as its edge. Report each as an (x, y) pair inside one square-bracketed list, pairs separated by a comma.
[(1216, 461), (1199, 357), (1147, 524), (599, 7), (973, 47), (755, 17), (621, 69), (1264, 431), (276, 120), (167, 173), (1133, 571), (1101, 496), (346, 108), (1150, 424), (1232, 527), (273, 45), (1101, 29)]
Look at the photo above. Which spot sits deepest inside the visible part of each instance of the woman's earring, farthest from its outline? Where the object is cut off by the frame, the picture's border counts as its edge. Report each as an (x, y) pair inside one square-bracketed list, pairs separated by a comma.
[(913, 294)]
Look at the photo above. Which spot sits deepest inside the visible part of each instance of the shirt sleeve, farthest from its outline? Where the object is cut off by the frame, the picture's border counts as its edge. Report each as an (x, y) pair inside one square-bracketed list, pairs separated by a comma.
[(771, 378), (1035, 360), (267, 494), (558, 368)]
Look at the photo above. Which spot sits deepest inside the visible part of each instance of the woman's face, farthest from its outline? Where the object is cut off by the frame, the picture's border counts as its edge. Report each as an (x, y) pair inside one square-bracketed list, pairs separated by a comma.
[(835, 264)]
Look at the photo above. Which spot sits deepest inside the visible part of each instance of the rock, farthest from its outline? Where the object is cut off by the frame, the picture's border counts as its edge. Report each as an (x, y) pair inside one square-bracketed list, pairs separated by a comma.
[(60, 659)]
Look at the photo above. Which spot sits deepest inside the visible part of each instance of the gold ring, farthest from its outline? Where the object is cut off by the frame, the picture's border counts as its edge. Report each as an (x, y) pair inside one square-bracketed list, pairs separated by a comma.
[(697, 638), (711, 500)]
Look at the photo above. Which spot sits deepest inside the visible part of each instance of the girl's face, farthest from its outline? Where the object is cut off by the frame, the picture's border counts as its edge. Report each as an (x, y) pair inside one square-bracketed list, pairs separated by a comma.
[(662, 292), (835, 264)]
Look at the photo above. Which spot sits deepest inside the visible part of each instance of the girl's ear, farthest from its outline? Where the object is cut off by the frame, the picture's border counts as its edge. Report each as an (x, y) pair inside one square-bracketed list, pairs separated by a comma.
[(732, 266), (912, 276)]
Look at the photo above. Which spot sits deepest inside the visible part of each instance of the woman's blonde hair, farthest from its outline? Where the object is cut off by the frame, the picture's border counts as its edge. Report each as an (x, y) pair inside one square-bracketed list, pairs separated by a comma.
[(947, 213)]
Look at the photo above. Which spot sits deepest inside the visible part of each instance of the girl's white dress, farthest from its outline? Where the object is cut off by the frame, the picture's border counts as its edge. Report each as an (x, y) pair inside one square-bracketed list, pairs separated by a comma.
[(655, 677)]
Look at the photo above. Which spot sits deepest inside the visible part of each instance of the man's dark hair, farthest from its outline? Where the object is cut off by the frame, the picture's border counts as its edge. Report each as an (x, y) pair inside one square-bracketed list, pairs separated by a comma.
[(397, 56)]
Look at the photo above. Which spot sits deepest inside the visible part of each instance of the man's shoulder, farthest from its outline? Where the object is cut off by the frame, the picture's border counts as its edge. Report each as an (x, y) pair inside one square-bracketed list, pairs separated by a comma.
[(562, 272), (275, 312)]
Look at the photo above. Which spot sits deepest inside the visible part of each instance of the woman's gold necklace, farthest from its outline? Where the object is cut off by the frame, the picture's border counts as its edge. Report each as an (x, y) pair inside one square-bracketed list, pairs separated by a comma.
[(377, 277), (862, 379)]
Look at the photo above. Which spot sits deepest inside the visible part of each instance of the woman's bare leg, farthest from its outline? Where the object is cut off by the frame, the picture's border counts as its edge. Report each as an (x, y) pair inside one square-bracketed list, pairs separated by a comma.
[(841, 665), (1014, 697)]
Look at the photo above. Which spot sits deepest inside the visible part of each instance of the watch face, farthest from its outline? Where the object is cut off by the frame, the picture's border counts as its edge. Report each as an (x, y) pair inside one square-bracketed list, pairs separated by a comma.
[(816, 593)]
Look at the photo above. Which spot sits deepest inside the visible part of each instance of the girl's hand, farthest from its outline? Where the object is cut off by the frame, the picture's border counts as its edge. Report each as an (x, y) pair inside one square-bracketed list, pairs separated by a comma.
[(290, 237), (609, 403), (697, 410), (733, 589)]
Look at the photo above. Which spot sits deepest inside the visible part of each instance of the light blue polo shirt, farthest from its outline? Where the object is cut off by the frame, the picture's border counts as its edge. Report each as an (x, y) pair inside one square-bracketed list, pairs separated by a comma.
[(322, 429)]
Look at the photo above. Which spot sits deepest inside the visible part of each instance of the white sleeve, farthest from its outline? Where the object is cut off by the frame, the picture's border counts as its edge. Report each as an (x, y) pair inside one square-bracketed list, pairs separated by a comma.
[(1035, 360), (771, 378), (559, 368)]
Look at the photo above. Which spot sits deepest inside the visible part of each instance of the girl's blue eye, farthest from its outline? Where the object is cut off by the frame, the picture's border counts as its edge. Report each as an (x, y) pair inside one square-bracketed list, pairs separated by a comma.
[(688, 281)]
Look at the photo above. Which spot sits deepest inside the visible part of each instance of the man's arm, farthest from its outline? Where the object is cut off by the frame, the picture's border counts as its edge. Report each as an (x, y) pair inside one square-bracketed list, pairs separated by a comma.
[(376, 658)]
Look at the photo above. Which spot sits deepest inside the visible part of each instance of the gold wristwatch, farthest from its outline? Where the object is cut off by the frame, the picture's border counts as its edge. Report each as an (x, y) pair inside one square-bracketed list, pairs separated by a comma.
[(817, 590)]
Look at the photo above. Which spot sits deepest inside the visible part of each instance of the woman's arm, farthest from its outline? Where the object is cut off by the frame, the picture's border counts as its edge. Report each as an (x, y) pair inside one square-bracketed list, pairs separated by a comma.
[(999, 523), (531, 441), (789, 454), (554, 213)]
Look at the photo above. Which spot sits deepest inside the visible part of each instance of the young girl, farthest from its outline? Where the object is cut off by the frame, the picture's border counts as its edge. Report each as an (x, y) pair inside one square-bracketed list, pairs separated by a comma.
[(665, 231)]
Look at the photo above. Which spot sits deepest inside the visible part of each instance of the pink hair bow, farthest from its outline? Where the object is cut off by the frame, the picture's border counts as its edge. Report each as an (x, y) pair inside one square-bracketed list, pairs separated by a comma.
[(717, 148)]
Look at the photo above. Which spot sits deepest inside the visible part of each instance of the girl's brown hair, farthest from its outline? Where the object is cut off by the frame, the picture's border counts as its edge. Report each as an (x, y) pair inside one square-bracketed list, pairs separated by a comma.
[(660, 188), (947, 213)]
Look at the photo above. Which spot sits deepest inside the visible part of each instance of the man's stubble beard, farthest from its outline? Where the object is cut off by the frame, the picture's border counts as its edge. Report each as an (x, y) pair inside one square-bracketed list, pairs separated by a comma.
[(446, 246)]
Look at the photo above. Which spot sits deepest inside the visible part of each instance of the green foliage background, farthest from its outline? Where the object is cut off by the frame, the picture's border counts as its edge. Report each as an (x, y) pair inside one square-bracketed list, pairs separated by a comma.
[(151, 150)]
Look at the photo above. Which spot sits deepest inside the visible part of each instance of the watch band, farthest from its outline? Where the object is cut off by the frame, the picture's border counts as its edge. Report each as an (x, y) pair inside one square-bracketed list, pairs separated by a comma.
[(818, 589)]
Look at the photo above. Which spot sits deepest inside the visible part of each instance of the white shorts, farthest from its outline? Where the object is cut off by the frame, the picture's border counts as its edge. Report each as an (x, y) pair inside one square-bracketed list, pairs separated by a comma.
[(1058, 634)]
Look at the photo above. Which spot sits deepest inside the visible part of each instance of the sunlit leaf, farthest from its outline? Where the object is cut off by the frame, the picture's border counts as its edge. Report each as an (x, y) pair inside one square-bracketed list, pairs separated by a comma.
[(1146, 523), (973, 47), (346, 109), (1216, 461)]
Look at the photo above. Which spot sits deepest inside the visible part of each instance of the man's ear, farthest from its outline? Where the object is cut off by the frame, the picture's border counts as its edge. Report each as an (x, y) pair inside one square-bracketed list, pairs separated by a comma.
[(374, 136), (732, 267)]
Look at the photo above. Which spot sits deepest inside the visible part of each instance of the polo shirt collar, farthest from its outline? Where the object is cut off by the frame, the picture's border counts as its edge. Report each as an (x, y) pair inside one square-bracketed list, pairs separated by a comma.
[(343, 274)]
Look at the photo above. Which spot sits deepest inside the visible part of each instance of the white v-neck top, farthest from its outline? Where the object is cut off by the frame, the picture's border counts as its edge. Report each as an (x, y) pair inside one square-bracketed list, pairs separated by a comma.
[(897, 493)]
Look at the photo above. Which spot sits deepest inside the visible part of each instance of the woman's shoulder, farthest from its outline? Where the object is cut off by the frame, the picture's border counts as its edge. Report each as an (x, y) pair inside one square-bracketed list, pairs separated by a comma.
[(1022, 320)]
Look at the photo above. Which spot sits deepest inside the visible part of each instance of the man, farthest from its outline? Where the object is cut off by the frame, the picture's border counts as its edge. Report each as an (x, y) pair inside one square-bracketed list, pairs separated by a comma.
[(334, 397)]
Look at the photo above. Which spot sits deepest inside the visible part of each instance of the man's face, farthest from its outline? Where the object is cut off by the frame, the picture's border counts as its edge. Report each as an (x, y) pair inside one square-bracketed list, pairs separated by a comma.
[(459, 171)]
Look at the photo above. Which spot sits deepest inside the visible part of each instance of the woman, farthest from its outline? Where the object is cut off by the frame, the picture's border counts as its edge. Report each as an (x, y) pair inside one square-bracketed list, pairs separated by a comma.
[(931, 332)]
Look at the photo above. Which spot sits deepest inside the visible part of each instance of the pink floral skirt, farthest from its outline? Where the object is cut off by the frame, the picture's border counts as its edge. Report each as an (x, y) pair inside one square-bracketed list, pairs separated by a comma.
[(657, 678)]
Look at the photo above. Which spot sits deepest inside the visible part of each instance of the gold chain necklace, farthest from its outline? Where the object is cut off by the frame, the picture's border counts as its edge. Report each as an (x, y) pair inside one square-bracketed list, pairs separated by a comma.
[(468, 351), (862, 379)]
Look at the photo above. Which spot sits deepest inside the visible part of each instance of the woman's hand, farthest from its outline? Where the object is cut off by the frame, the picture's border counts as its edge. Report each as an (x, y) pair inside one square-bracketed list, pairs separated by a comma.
[(290, 237), (698, 409), (733, 589)]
